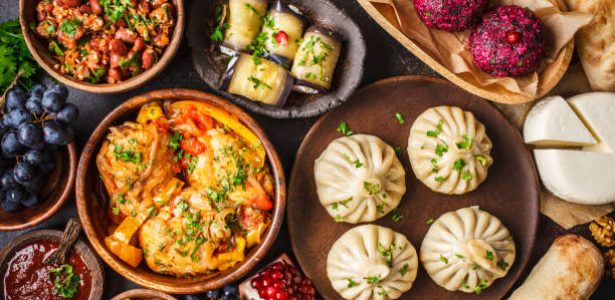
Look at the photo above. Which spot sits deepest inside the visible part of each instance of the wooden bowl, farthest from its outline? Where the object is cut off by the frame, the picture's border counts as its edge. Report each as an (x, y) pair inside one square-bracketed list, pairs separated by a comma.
[(44, 57), (92, 202), (143, 294), (394, 16), (211, 64), (511, 191), (53, 195), (82, 249)]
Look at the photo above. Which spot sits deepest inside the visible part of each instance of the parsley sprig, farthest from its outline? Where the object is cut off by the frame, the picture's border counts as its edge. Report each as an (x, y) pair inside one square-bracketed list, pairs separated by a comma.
[(65, 280), (16, 62)]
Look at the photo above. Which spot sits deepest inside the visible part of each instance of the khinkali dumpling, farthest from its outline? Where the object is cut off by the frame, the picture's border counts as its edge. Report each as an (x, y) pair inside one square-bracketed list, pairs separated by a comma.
[(359, 179), (466, 250), (372, 262), (449, 150)]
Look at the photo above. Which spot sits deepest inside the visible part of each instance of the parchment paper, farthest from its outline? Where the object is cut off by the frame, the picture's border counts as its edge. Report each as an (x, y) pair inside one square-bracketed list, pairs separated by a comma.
[(564, 213), (452, 49)]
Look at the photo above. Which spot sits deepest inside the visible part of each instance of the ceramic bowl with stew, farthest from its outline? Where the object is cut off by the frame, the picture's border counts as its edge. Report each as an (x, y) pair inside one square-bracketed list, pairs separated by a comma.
[(43, 52), (56, 191), (93, 202), (26, 253)]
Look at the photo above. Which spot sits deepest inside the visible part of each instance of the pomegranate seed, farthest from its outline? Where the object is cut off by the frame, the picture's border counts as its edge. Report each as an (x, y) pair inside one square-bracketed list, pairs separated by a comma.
[(279, 285), (276, 275), (266, 282), (281, 295), (281, 37), (270, 292), (513, 37)]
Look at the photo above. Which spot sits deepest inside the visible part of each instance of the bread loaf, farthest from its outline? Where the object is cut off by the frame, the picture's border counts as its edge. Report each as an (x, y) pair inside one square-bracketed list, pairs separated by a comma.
[(571, 270), (596, 42)]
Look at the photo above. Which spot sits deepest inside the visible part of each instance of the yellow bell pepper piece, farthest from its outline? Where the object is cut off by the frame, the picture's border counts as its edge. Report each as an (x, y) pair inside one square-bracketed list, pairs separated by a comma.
[(127, 253), (230, 259), (229, 121), (149, 112)]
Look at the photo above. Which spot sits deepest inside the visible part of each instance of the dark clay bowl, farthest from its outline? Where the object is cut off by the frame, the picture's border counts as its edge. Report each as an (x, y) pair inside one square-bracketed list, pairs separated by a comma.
[(211, 64)]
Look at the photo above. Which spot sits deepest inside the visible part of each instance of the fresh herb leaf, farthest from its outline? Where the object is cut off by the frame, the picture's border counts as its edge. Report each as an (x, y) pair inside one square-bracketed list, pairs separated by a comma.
[(65, 280), (482, 285), (344, 129), (466, 143), (176, 138), (351, 283), (396, 216), (459, 164), (258, 83), (126, 155), (502, 264), (15, 58), (373, 280), (481, 159), (386, 253), (404, 270), (69, 27), (467, 175), (443, 259), (441, 149), (371, 188)]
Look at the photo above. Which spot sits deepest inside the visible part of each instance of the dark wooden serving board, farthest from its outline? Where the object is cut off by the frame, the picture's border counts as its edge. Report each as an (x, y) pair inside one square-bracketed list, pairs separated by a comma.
[(510, 192)]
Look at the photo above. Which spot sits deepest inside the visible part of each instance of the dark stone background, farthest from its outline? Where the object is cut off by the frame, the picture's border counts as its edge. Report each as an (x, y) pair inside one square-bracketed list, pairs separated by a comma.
[(385, 58)]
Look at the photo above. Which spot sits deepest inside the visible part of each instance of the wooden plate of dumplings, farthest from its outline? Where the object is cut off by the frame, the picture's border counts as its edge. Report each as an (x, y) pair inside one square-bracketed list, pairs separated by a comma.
[(510, 191)]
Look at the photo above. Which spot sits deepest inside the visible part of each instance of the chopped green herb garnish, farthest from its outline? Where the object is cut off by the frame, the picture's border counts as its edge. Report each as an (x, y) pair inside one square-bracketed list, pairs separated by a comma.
[(404, 270), (351, 283), (433, 133), (115, 210), (459, 164), (65, 280), (373, 280), (387, 253), (466, 143), (396, 216), (176, 138), (429, 222), (357, 164), (251, 8), (441, 149), (459, 256), (434, 166), (258, 83), (481, 159), (397, 150), (502, 264), (339, 219), (344, 129), (400, 118), (443, 259), (467, 175), (439, 179), (482, 285), (371, 188), (489, 255), (127, 155), (69, 27)]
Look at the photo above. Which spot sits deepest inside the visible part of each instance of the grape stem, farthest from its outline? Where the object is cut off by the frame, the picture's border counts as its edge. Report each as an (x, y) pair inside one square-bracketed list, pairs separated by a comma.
[(2, 100)]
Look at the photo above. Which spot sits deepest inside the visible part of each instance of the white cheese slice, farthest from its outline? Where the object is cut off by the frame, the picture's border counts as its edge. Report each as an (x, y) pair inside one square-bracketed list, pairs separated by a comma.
[(598, 112), (553, 123), (578, 176)]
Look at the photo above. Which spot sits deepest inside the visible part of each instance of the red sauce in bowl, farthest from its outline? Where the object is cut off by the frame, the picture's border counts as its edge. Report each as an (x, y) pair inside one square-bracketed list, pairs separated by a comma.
[(28, 278)]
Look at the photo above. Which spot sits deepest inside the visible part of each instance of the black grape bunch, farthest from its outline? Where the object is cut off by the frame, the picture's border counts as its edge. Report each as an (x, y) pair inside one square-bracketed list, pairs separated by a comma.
[(33, 125)]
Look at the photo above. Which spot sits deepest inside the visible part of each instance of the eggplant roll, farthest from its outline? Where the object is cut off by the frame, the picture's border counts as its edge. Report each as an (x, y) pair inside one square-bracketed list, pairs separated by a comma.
[(244, 23), (283, 28), (316, 60), (258, 79)]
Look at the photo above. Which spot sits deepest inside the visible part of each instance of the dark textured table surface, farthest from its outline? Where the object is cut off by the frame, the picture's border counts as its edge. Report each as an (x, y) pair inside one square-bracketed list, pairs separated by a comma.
[(385, 58)]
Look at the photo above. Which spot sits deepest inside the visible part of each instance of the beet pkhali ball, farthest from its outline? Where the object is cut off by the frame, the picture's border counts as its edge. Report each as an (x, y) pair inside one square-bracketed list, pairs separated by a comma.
[(450, 15), (508, 42)]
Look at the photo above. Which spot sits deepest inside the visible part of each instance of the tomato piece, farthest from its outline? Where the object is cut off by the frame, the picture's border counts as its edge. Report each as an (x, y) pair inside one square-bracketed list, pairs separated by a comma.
[(162, 124), (192, 146), (262, 202), (281, 37)]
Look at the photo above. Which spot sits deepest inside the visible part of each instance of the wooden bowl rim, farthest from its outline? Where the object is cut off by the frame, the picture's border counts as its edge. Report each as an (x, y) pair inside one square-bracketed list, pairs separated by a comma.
[(124, 86), (254, 256), (507, 98), (302, 148), (59, 202), (82, 249), (142, 293)]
